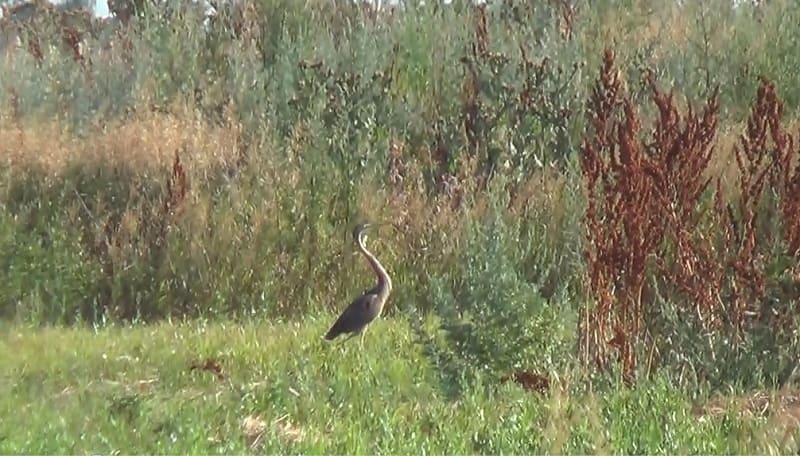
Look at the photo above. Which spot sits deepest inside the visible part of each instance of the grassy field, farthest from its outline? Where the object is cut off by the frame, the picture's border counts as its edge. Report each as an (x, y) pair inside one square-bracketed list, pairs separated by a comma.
[(283, 389), (596, 211)]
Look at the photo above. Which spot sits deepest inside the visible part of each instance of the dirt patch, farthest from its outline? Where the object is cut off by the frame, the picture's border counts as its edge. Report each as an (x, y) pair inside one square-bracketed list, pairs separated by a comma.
[(780, 408), (756, 404), (254, 429)]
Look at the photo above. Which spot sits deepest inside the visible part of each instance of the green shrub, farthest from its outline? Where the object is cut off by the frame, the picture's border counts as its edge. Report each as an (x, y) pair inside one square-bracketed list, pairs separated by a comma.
[(494, 319)]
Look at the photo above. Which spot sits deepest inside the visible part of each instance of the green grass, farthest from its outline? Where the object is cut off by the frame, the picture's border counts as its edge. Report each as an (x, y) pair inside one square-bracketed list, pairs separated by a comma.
[(130, 390)]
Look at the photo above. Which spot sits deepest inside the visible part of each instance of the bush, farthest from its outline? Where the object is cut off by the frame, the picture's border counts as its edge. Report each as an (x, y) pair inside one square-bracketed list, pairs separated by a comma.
[(494, 319)]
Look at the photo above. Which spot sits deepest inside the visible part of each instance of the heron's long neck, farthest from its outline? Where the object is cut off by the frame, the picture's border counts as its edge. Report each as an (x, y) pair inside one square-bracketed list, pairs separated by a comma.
[(383, 278)]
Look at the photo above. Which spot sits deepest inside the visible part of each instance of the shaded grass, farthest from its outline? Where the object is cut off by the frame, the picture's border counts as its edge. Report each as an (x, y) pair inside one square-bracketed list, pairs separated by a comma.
[(130, 390)]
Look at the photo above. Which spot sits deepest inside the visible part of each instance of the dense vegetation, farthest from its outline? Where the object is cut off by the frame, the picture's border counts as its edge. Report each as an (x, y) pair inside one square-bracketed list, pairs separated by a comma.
[(597, 200)]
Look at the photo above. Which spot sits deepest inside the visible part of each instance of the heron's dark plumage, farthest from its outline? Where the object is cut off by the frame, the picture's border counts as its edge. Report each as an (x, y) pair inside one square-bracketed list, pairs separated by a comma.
[(356, 316)]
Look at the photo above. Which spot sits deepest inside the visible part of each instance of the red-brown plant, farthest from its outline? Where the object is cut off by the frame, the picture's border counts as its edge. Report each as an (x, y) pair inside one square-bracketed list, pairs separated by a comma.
[(638, 193), (762, 164), (680, 154), (619, 237), (645, 220), (785, 174)]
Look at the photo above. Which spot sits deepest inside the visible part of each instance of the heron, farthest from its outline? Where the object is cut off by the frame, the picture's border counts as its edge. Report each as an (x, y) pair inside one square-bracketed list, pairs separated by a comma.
[(367, 307)]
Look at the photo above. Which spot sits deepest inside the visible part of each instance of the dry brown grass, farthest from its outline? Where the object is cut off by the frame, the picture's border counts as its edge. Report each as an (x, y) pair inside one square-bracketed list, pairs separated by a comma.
[(145, 142), (665, 28), (781, 409), (255, 428), (723, 162)]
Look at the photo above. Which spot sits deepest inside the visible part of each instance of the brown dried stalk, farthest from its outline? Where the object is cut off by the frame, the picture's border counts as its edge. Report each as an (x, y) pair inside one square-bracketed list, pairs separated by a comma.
[(481, 31), (785, 174), (566, 12), (759, 165), (35, 48), (470, 89), (177, 187), (756, 166), (637, 193), (613, 227), (680, 155)]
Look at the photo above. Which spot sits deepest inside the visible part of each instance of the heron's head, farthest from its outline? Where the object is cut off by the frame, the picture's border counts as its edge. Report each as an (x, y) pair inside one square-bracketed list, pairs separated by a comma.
[(359, 230)]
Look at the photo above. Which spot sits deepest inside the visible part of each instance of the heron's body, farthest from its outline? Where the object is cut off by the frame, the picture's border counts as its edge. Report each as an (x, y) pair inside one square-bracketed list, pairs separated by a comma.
[(367, 307)]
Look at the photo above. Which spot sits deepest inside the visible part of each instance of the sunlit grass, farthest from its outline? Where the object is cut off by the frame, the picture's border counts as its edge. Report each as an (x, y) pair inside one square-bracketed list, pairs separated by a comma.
[(131, 390)]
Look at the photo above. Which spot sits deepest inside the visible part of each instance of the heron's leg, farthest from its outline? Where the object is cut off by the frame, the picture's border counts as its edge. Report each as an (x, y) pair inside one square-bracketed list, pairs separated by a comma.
[(361, 353), (350, 336)]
